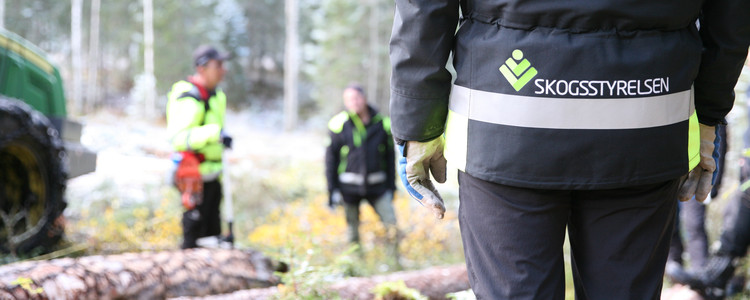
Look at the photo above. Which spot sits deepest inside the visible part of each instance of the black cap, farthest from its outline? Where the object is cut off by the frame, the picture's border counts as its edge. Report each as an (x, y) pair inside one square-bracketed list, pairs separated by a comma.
[(204, 53), (357, 87)]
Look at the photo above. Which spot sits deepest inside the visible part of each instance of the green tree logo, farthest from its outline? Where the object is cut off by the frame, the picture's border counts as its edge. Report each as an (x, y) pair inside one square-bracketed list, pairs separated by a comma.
[(514, 69)]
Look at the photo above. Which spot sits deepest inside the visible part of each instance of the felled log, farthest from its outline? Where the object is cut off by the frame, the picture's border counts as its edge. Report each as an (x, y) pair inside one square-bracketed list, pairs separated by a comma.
[(433, 282), (146, 275)]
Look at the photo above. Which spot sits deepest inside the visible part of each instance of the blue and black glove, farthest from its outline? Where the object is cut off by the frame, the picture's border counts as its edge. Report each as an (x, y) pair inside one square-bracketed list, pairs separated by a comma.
[(701, 179), (335, 198), (226, 140), (415, 161)]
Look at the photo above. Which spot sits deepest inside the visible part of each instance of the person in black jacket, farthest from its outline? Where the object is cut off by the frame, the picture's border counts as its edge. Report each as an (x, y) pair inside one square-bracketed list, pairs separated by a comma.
[(590, 117), (360, 163)]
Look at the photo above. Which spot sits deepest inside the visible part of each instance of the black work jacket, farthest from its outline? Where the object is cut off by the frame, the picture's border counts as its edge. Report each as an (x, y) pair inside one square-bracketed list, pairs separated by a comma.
[(566, 94), (360, 159)]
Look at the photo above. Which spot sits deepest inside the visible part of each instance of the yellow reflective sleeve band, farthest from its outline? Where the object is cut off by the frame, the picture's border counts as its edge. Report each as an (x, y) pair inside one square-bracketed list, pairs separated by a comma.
[(343, 159), (201, 136), (387, 125), (694, 142), (336, 124), (571, 113), (456, 140)]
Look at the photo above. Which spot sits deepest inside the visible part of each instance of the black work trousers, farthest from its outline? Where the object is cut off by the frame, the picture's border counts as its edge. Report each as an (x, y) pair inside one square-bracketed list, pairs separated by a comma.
[(204, 220), (513, 240)]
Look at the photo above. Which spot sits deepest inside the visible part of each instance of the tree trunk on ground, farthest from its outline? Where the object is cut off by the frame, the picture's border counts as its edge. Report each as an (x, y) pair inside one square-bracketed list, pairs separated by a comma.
[(147, 275), (433, 282)]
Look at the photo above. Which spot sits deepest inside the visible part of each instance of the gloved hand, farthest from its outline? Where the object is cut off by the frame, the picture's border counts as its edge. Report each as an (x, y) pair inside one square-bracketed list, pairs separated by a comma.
[(335, 198), (226, 140), (701, 179), (414, 161)]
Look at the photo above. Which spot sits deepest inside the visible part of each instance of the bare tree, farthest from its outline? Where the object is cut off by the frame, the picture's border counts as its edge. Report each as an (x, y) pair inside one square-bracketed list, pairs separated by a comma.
[(92, 88), (148, 56), (374, 40), (2, 13), (291, 67), (75, 44)]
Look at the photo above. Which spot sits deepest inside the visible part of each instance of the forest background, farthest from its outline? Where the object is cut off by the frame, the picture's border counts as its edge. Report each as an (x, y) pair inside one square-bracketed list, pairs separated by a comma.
[(106, 50)]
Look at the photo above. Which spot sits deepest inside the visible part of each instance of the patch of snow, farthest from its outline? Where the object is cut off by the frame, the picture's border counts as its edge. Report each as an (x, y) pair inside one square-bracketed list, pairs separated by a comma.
[(133, 153)]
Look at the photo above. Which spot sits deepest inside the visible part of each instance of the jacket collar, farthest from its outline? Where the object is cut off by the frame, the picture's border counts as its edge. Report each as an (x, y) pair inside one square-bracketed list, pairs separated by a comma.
[(205, 93), (371, 110)]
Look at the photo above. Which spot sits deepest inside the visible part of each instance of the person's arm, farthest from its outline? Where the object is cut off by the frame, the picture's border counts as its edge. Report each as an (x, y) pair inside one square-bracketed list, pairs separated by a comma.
[(332, 161), (421, 42), (186, 135), (390, 157), (725, 32)]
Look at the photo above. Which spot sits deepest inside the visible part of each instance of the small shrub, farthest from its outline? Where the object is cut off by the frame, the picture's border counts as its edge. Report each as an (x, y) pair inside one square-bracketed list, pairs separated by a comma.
[(425, 241), (396, 291), (111, 227), (462, 295), (306, 280), (25, 283)]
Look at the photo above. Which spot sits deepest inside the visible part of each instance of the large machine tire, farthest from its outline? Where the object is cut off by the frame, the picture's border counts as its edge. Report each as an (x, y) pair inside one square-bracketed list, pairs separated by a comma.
[(32, 180)]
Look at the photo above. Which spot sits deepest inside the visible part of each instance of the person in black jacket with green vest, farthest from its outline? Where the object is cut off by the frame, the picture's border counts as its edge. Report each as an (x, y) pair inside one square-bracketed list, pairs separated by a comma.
[(360, 162), (590, 117)]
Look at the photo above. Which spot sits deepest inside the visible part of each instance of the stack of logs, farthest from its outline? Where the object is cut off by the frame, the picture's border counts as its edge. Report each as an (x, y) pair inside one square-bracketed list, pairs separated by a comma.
[(146, 275), (224, 273)]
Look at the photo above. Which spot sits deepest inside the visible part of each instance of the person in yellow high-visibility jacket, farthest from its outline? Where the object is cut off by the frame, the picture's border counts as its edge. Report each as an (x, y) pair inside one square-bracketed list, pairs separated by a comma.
[(195, 122)]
